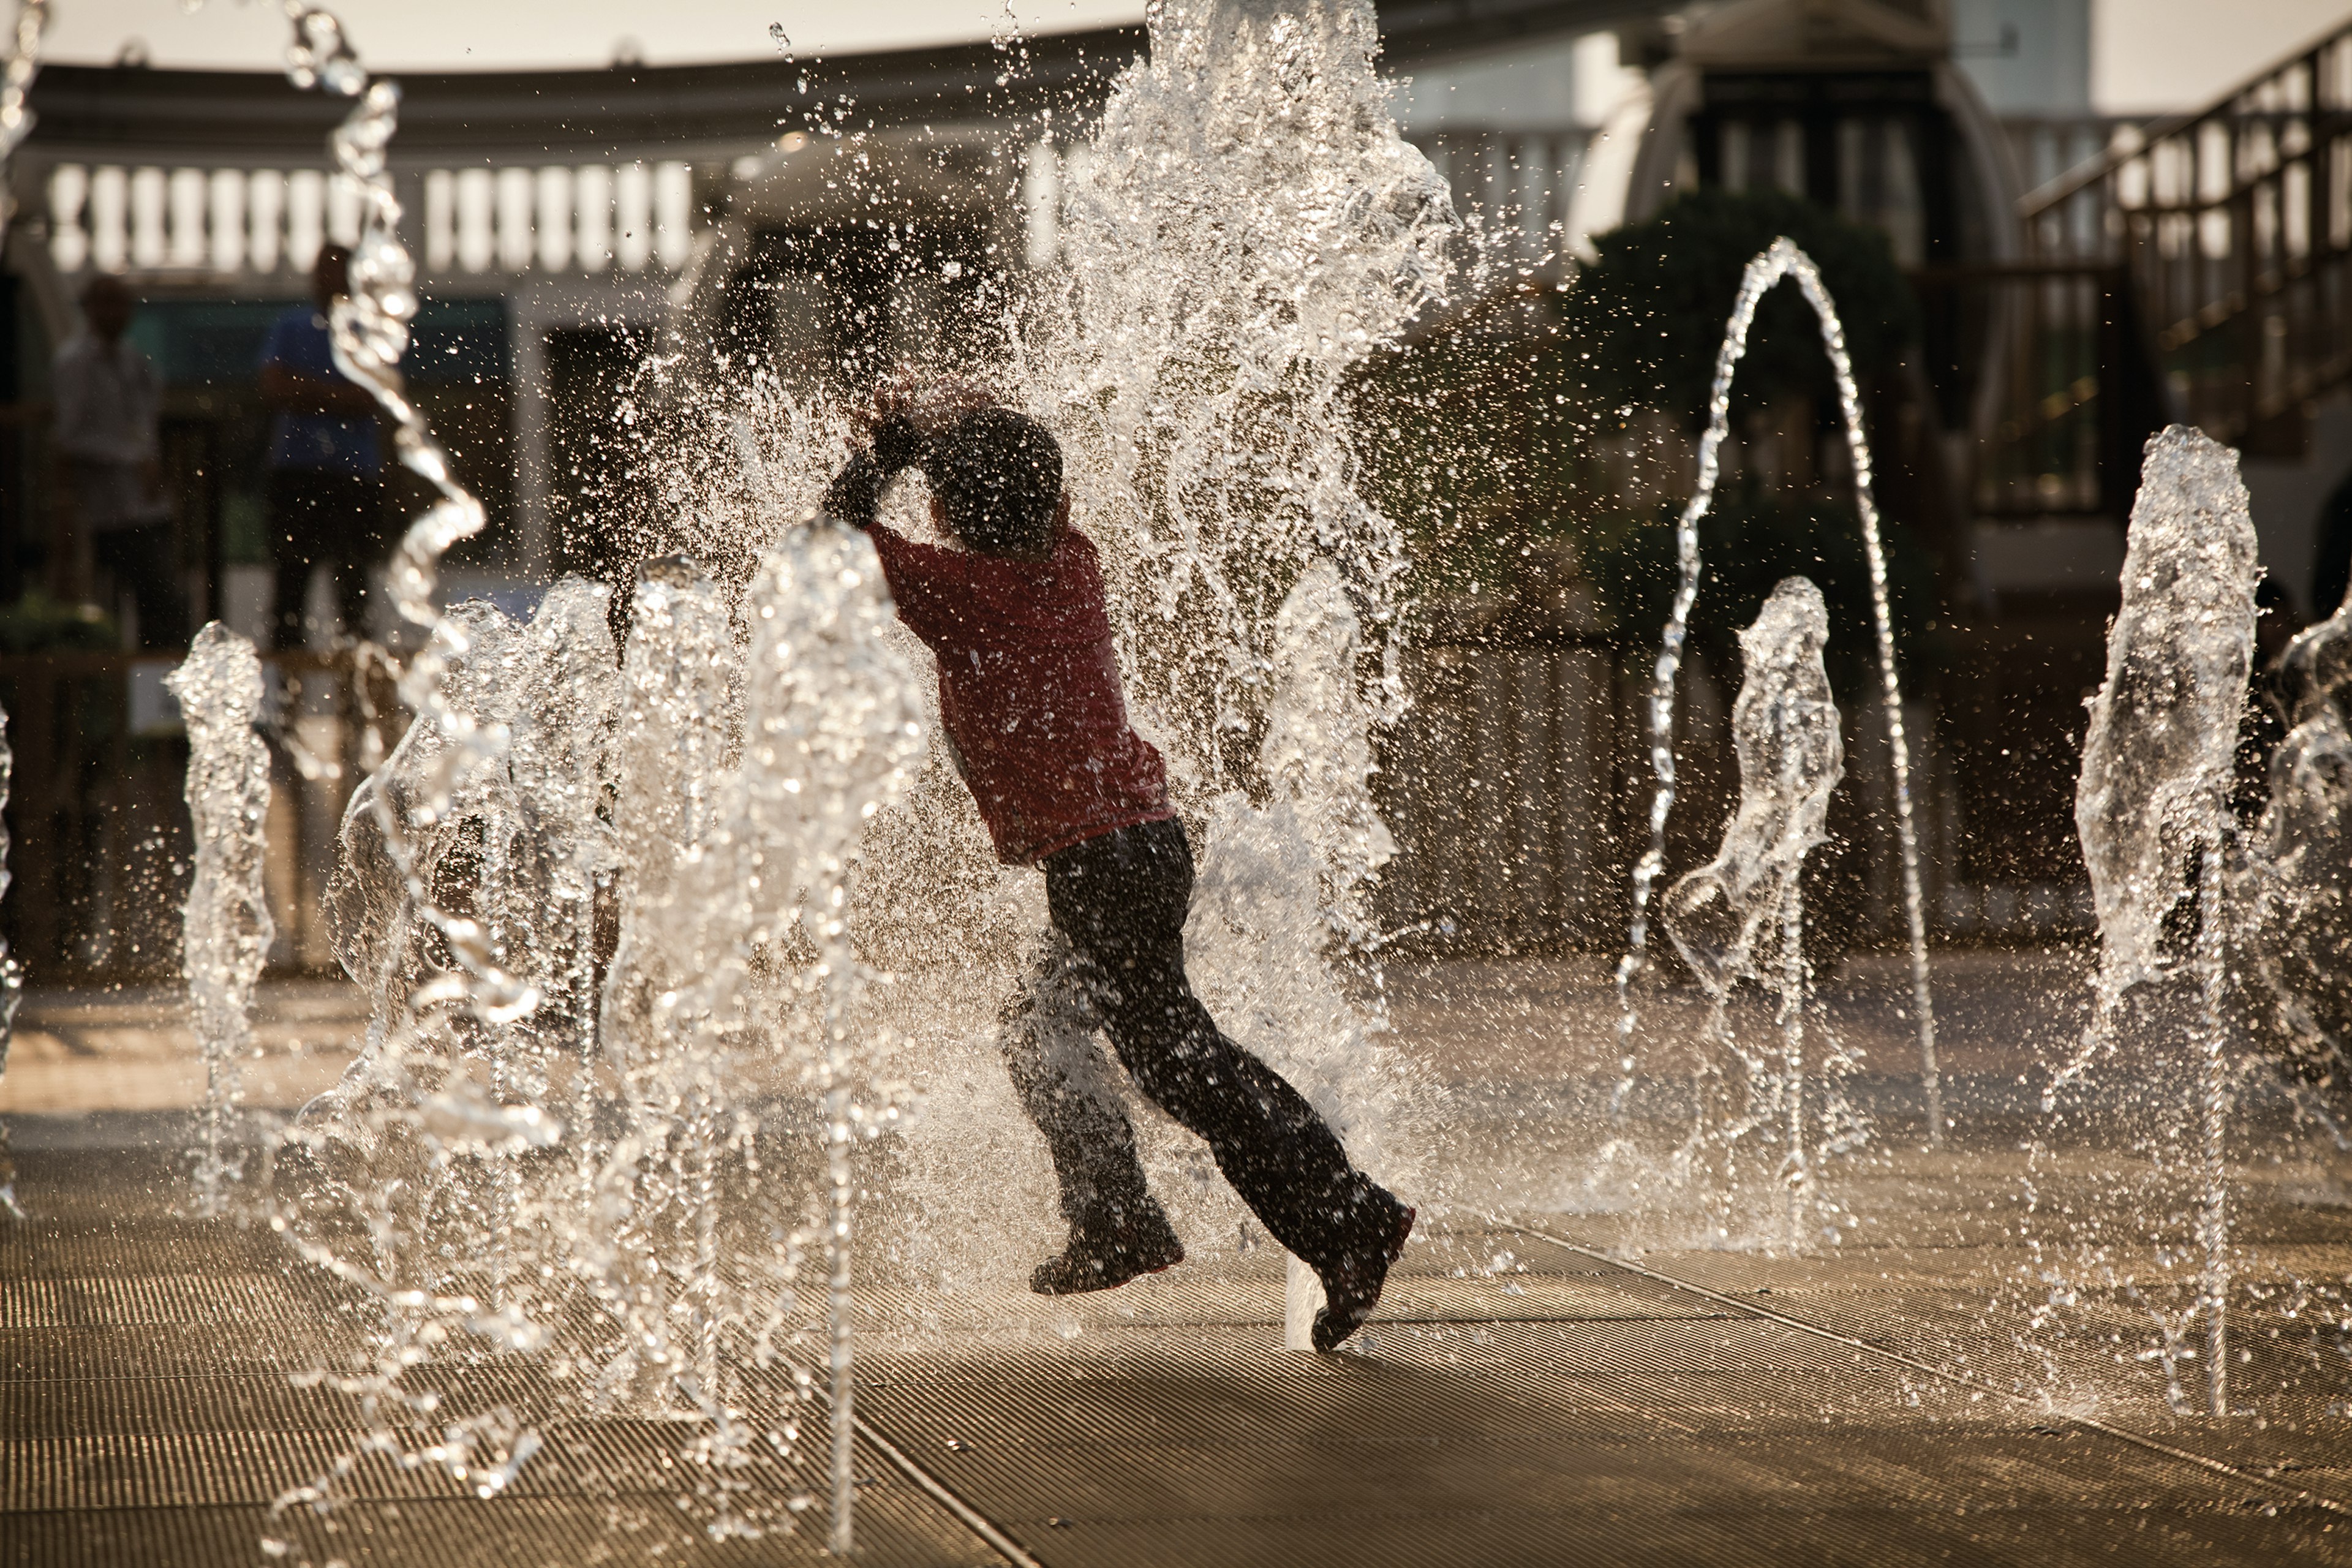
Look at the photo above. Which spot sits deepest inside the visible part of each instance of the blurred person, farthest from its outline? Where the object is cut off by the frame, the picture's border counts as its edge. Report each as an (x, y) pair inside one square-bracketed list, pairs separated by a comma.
[(326, 476), (115, 524)]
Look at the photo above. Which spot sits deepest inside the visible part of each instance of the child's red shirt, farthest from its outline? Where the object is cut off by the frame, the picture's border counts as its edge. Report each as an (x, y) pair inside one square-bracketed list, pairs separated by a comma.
[(1029, 690)]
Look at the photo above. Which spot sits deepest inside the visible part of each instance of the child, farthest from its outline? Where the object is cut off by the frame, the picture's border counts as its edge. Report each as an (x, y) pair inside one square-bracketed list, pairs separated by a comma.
[(1030, 699)]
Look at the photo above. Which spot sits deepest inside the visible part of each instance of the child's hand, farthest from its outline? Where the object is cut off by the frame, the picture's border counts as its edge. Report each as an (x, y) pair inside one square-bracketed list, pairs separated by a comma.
[(907, 411), (855, 494)]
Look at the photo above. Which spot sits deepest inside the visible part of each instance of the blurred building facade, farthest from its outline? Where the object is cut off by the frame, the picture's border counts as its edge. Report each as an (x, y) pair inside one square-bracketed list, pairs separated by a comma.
[(2085, 279)]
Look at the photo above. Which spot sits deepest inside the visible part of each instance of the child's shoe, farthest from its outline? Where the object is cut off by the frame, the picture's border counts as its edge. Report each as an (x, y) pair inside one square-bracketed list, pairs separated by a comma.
[(1353, 1286), (1107, 1255)]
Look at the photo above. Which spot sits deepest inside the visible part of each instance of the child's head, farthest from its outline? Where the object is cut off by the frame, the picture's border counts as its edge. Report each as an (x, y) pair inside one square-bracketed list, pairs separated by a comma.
[(996, 478)]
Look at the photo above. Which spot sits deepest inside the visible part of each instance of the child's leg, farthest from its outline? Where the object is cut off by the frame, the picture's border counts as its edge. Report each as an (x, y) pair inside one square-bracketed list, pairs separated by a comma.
[(1065, 1088), (1122, 900)]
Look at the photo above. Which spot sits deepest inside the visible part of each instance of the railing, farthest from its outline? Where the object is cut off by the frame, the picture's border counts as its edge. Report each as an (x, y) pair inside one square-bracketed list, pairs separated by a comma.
[(1506, 790), (211, 223), (220, 176), (205, 223), (2236, 223), (2048, 364), (1515, 790), (1512, 788)]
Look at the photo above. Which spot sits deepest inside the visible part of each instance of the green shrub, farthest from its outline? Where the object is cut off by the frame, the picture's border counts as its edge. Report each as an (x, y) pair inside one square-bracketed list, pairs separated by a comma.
[(1475, 438), (38, 624), (1485, 439), (1651, 311), (1748, 541)]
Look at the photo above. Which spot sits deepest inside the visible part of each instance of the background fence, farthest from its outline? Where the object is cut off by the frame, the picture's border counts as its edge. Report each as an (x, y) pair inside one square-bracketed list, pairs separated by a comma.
[(102, 854), (1517, 789)]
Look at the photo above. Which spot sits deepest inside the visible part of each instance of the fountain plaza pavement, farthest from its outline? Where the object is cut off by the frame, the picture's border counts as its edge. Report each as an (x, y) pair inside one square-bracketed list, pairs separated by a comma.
[(1521, 1397)]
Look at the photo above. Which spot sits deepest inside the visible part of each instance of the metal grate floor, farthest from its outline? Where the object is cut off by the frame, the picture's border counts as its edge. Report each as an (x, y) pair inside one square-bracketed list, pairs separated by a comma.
[(1576, 1412)]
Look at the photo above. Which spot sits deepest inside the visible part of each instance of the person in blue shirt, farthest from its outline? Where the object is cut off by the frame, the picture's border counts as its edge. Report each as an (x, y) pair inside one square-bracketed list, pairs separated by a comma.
[(326, 477)]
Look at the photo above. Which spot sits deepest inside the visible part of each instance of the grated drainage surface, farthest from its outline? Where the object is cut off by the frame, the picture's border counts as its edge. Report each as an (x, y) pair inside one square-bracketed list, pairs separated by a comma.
[(1574, 1413)]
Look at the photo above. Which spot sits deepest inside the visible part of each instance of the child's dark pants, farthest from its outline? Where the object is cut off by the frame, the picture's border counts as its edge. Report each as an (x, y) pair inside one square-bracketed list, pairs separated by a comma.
[(1121, 900)]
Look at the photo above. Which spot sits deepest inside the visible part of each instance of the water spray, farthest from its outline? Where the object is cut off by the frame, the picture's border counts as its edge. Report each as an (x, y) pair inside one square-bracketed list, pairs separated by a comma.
[(12, 975), (16, 116), (1785, 729), (2153, 801), (1781, 260), (226, 924)]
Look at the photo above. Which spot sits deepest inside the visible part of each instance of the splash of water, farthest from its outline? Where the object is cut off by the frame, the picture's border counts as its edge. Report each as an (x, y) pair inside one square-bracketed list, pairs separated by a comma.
[(672, 739), (412, 1107), (1781, 260), (2152, 806), (2157, 758), (1249, 226), (1243, 227), (1318, 753), (732, 818), (1785, 731), (2296, 946), (764, 728), (226, 923), (16, 95), (832, 732), (15, 124), (419, 1147), (559, 762), (368, 334)]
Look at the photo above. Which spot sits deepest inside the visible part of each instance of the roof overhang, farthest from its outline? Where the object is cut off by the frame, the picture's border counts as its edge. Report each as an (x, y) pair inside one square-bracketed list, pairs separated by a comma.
[(196, 117), (1812, 36)]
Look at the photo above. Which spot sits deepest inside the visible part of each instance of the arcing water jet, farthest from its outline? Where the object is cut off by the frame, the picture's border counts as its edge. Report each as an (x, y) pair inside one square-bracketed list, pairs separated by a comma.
[(1783, 259), (1785, 731)]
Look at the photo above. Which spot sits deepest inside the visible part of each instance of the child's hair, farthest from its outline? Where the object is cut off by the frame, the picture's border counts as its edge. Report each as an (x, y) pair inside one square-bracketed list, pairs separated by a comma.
[(998, 475)]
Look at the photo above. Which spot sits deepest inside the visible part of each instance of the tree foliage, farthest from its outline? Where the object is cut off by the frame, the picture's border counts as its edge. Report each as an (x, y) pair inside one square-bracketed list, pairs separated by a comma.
[(1651, 311), (1475, 438), (1748, 541), (1488, 436)]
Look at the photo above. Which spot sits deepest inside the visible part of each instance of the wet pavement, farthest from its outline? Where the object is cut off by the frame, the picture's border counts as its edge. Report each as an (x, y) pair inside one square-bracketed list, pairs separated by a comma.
[(1553, 1378)]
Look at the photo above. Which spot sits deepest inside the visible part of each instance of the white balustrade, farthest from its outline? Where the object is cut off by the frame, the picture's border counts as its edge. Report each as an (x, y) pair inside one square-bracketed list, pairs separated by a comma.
[(515, 205), (264, 219), (673, 214), (228, 194), (185, 203), (68, 239), (592, 204), (633, 216), (625, 216), (476, 248), (306, 217), (1041, 202), (342, 212), (109, 213), (148, 251), (1518, 184), (224, 223), (440, 247)]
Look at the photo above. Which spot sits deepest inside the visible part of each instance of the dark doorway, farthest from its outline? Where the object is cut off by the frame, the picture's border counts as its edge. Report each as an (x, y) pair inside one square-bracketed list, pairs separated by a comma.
[(595, 510)]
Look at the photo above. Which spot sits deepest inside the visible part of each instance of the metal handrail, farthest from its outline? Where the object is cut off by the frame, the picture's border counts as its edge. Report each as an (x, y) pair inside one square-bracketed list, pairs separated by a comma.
[(2039, 200)]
